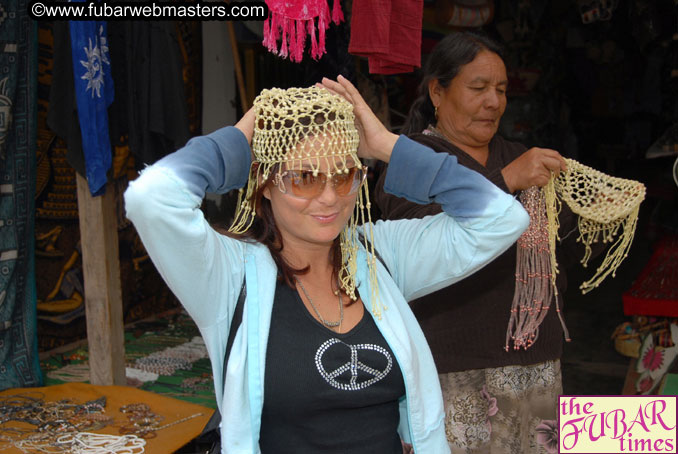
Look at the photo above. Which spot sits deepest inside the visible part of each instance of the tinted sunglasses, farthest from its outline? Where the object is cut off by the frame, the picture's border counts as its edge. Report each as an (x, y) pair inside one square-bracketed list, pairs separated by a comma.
[(305, 185)]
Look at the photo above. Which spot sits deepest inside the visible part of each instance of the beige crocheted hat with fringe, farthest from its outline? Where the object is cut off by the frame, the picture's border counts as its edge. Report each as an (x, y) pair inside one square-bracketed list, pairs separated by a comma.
[(607, 208)]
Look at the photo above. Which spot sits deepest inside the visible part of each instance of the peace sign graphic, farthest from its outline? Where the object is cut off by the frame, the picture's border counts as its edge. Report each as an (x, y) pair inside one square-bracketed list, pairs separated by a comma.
[(353, 365)]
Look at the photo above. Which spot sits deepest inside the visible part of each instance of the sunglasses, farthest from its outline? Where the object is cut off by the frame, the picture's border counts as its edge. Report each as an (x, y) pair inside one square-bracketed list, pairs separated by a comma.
[(305, 185)]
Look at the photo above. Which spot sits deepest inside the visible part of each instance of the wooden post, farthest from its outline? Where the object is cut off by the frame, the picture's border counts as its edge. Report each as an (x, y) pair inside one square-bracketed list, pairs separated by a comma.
[(250, 73), (103, 293), (238, 68)]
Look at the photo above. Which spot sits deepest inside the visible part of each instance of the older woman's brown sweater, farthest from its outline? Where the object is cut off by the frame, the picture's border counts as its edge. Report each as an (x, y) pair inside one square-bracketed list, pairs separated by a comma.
[(465, 324)]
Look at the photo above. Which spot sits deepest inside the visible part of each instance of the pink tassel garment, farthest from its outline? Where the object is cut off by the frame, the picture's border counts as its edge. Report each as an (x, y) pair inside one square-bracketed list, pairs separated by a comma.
[(535, 290), (290, 20)]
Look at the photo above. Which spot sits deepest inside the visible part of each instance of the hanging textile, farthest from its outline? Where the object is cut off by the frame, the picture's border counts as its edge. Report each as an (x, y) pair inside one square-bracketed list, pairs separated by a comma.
[(150, 105), (19, 366), (62, 109), (291, 20), (94, 93), (388, 33)]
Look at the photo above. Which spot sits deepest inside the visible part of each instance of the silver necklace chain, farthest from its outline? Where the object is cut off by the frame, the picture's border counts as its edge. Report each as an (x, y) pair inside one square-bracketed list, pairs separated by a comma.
[(315, 309)]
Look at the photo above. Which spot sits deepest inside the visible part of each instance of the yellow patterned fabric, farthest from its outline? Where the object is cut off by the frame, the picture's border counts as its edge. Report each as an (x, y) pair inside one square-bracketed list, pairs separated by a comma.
[(608, 211), (309, 126)]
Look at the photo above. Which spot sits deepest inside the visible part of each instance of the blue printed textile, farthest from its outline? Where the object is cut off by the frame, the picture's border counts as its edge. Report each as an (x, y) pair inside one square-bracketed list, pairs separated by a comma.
[(94, 93), (19, 362)]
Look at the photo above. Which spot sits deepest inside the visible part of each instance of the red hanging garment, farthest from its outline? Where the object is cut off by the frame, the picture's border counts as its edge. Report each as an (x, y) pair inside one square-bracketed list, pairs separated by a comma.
[(388, 33)]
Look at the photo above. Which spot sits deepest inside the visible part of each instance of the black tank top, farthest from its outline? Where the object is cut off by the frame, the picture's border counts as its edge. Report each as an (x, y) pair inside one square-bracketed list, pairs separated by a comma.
[(325, 392)]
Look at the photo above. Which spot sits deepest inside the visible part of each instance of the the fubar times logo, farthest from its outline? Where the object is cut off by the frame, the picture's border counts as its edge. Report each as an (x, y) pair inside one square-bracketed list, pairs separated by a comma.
[(617, 424)]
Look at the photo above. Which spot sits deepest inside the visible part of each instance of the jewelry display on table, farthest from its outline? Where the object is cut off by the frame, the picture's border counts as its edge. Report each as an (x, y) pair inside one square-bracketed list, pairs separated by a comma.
[(143, 423), (51, 420), (92, 443), (67, 427), (84, 443)]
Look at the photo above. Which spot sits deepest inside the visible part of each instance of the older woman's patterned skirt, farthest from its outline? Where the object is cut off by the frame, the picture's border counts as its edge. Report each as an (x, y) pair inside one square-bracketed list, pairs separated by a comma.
[(508, 410)]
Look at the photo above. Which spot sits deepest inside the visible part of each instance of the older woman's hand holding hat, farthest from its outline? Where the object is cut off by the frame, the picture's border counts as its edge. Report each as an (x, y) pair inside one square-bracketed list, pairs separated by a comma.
[(533, 168), (376, 142)]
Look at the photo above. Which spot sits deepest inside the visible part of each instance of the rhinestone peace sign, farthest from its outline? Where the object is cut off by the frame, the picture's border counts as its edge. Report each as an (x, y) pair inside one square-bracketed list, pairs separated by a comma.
[(353, 365)]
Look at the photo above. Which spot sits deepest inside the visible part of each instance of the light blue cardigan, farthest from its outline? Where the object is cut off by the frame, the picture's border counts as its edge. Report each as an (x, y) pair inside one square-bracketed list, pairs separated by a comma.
[(205, 269)]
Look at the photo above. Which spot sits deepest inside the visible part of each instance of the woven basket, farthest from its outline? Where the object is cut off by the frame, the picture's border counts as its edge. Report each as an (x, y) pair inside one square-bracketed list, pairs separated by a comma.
[(628, 347)]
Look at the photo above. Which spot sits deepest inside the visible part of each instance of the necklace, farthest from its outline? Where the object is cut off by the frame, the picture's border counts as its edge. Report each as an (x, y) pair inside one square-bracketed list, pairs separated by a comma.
[(315, 309)]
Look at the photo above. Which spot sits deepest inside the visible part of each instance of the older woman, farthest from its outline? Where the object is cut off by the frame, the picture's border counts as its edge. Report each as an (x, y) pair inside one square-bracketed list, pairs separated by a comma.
[(500, 387), (328, 356)]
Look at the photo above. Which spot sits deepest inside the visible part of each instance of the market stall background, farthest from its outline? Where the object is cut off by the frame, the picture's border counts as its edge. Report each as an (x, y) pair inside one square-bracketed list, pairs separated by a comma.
[(596, 80)]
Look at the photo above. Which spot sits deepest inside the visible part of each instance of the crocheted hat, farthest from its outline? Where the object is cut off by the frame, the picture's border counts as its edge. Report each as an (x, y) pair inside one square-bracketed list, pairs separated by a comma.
[(607, 209), (309, 126)]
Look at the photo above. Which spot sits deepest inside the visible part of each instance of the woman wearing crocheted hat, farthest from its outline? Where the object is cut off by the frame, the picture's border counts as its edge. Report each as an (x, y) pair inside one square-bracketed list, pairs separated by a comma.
[(327, 356), (496, 336)]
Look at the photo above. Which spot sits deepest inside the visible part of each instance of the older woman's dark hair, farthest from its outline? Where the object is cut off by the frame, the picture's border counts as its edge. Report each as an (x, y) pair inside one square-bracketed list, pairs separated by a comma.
[(444, 63)]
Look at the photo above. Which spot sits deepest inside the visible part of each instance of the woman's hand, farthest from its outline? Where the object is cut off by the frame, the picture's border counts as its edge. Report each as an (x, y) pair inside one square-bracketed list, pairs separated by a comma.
[(407, 448), (246, 124), (533, 168), (376, 142)]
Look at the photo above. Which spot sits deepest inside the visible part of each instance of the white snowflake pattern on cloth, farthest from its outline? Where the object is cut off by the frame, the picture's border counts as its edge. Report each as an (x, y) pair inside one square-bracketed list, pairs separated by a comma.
[(97, 57)]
